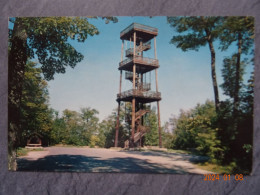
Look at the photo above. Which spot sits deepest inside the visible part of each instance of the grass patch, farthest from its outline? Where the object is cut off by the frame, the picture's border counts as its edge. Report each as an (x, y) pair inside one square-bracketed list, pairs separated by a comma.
[(69, 146), (219, 169), (178, 151), (36, 149), (158, 150), (24, 151)]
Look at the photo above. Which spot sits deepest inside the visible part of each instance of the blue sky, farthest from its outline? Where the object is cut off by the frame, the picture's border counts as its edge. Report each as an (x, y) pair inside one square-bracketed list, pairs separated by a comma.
[(184, 78)]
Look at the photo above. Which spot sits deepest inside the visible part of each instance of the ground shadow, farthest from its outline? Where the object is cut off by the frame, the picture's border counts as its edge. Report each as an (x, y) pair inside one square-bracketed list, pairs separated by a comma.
[(176, 156), (79, 163)]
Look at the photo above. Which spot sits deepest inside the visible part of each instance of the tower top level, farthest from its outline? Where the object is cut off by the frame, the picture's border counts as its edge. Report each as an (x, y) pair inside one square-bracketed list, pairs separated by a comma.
[(144, 33)]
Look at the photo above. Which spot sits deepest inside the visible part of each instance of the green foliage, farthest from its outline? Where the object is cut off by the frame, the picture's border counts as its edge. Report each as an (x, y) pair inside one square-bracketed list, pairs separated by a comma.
[(219, 169), (109, 128), (247, 97), (89, 119), (167, 136), (237, 141), (194, 31), (93, 141), (108, 131), (152, 137), (229, 75), (241, 31), (236, 116), (247, 147), (35, 113), (234, 27), (75, 128), (47, 37), (196, 129), (58, 130), (102, 129), (84, 129)]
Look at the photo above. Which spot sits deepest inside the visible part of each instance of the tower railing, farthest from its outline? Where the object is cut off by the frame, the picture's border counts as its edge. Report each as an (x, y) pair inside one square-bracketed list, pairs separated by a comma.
[(144, 86), (141, 60), (139, 93)]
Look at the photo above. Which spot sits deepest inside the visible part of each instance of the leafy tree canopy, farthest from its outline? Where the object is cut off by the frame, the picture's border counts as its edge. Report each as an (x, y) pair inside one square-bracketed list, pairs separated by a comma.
[(194, 31), (229, 75), (47, 37), (235, 28)]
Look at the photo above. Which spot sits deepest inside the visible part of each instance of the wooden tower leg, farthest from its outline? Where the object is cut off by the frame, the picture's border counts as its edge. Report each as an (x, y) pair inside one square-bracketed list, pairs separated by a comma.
[(158, 105), (117, 125), (133, 123), (159, 125), (133, 101), (118, 111), (158, 112)]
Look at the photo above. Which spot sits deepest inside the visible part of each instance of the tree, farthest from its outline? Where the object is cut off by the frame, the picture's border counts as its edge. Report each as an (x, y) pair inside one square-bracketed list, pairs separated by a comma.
[(241, 31), (236, 128), (47, 39), (58, 131), (229, 75), (236, 134), (194, 33), (246, 126), (73, 129), (78, 128), (108, 127), (152, 137), (89, 119), (236, 117), (89, 123), (35, 113)]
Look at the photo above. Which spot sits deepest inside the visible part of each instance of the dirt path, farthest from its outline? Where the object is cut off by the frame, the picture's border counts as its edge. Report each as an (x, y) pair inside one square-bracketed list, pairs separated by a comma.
[(72, 159)]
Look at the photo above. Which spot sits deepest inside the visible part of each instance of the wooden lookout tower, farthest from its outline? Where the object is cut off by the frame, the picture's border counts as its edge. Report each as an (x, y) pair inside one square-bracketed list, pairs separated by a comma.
[(136, 67)]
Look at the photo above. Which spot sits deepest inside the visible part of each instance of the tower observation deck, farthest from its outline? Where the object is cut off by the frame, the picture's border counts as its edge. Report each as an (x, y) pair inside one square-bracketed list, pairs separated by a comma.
[(137, 67)]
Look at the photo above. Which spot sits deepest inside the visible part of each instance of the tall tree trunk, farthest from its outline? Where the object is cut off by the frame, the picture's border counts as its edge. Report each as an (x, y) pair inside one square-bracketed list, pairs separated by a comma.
[(16, 64), (237, 85), (213, 69)]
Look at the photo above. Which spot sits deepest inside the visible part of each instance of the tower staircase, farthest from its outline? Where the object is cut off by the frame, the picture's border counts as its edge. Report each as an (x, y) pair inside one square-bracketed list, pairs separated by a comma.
[(140, 48), (138, 136), (141, 130), (140, 113)]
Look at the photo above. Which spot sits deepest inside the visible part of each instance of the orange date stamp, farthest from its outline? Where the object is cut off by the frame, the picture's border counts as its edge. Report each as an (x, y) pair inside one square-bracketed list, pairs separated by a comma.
[(225, 177)]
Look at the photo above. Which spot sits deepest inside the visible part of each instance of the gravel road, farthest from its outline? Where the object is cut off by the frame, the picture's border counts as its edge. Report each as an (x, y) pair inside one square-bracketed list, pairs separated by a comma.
[(72, 159)]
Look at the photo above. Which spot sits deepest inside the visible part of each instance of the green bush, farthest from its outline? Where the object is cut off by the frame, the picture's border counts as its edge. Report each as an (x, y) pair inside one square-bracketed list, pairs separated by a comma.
[(196, 129), (93, 141)]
